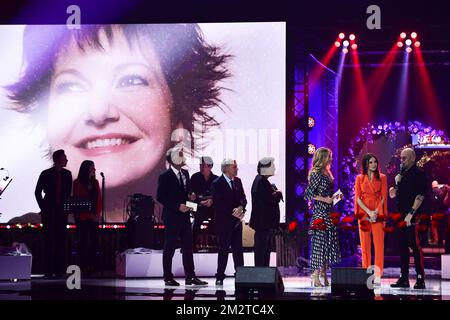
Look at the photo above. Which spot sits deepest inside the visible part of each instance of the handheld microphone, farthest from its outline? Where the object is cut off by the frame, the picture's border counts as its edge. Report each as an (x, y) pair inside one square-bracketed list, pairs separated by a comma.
[(102, 174), (276, 189), (402, 169)]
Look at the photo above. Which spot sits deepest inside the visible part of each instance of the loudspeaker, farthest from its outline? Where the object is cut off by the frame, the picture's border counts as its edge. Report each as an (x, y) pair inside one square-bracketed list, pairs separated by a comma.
[(351, 282), (265, 280)]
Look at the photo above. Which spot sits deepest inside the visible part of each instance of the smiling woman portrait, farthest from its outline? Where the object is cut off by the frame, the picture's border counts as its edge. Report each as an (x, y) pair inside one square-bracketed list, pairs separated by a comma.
[(114, 94)]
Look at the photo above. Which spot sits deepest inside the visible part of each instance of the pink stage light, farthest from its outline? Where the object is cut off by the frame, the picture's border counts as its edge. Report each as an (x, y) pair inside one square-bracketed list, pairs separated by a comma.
[(341, 36), (417, 44), (337, 44), (352, 37), (354, 46), (399, 44), (403, 35), (413, 35)]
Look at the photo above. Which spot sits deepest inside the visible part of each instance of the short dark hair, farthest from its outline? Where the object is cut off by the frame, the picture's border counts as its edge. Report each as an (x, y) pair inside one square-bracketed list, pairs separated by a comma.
[(57, 155), (192, 67)]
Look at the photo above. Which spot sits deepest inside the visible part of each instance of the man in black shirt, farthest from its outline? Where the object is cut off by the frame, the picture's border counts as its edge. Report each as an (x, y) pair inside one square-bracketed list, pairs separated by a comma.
[(53, 187), (409, 191), (201, 185), (265, 215)]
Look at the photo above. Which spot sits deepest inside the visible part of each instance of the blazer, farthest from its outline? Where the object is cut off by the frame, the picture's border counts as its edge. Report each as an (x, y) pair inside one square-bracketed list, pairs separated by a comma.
[(47, 182), (225, 200), (265, 209), (170, 194), (371, 193)]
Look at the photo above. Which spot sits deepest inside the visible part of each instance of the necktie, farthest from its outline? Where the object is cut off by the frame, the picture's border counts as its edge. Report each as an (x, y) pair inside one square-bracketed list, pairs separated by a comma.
[(232, 185), (181, 180)]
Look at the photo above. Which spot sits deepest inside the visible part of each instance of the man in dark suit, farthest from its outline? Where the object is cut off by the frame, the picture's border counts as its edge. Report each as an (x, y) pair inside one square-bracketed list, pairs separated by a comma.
[(56, 183), (173, 192), (265, 214), (229, 208)]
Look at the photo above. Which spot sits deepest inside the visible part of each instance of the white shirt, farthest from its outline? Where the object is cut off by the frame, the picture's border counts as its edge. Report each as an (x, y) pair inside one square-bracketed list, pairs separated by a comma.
[(228, 180), (177, 174)]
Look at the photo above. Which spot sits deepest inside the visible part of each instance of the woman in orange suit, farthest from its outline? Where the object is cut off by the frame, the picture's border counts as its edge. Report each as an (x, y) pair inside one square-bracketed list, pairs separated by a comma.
[(371, 204)]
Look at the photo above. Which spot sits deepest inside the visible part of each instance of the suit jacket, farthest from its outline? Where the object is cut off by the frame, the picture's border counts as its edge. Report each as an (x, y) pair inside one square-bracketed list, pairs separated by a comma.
[(265, 209), (47, 182), (170, 194), (225, 200)]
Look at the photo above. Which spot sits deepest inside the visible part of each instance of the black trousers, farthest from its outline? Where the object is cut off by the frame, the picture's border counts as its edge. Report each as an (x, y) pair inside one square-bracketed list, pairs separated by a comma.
[(87, 244), (55, 235), (408, 238), (230, 235), (263, 239), (178, 227)]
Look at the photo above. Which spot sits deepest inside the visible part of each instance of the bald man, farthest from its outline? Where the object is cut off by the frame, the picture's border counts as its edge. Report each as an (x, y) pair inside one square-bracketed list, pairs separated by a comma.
[(409, 191)]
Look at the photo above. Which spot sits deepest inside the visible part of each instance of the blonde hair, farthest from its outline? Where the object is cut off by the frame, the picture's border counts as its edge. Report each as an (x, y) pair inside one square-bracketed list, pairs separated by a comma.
[(320, 161)]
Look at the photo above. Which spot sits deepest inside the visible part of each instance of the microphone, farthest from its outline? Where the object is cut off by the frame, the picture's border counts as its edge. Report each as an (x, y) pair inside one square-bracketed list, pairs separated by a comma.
[(276, 189), (102, 174)]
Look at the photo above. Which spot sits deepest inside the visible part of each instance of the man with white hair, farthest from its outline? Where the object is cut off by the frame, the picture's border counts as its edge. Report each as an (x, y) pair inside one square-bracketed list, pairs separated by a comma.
[(265, 215), (229, 209), (410, 190)]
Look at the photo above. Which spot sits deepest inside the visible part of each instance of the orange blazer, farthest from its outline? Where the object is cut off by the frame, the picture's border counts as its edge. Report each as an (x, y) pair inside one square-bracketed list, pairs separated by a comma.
[(371, 193), (79, 190)]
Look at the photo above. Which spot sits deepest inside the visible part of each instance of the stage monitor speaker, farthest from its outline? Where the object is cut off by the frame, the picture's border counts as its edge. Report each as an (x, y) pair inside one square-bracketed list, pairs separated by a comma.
[(351, 282), (265, 280)]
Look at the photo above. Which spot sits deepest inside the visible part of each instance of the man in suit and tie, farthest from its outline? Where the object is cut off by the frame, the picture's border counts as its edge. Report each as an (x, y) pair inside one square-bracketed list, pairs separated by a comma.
[(265, 215), (56, 183), (229, 208), (173, 192)]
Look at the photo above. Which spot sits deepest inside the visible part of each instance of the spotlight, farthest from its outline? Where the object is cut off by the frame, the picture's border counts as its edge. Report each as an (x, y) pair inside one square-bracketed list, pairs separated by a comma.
[(354, 46), (408, 49), (311, 122), (341, 36), (352, 37), (417, 44), (399, 44), (311, 148), (345, 50), (403, 35), (346, 43), (337, 44), (413, 35), (408, 42)]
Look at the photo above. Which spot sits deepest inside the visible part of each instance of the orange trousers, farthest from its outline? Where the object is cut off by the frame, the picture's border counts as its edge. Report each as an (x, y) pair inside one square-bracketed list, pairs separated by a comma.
[(378, 243)]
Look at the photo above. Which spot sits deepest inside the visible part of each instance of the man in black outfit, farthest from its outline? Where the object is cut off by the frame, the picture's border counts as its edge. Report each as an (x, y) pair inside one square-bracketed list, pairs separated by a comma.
[(265, 214), (56, 183), (201, 185), (229, 208), (410, 191), (173, 192)]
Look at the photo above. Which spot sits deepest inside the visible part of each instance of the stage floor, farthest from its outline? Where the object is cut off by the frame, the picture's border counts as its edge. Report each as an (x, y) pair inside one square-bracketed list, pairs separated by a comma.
[(297, 287)]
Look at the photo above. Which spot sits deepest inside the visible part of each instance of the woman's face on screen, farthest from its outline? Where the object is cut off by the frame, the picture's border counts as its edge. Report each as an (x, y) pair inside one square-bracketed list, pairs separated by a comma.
[(111, 106)]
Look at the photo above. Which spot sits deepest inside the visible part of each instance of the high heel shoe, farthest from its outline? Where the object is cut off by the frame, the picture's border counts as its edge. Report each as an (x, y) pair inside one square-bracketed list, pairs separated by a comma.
[(315, 280), (325, 278)]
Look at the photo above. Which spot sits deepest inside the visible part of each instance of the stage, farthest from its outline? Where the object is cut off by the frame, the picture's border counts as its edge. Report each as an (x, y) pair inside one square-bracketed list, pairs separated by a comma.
[(297, 287)]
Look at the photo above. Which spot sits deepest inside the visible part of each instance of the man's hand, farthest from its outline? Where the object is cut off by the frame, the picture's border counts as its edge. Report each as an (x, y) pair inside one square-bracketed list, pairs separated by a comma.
[(184, 208), (408, 219), (392, 192), (192, 196), (206, 203)]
